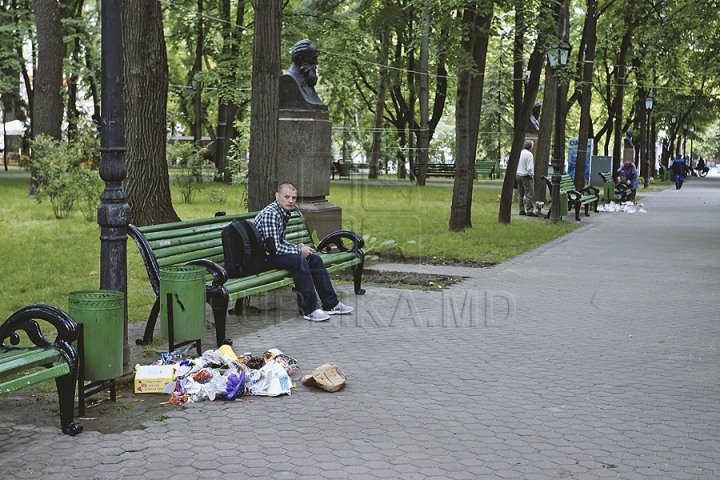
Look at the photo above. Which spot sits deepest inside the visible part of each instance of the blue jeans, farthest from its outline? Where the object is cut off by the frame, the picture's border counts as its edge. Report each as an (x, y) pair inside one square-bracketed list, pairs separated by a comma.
[(310, 275)]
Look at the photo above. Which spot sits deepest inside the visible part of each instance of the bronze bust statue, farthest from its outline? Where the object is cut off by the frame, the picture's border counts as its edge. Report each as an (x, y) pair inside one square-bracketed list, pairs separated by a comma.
[(533, 124), (297, 85)]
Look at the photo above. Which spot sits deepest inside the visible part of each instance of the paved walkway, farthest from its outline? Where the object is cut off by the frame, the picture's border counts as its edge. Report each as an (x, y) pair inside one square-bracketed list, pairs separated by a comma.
[(592, 356)]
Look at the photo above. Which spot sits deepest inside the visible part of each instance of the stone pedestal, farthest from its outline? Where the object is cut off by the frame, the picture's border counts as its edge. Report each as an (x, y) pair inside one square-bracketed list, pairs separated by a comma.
[(628, 154), (304, 158)]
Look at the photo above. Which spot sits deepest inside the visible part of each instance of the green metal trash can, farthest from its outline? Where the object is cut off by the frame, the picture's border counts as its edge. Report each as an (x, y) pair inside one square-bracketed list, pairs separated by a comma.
[(609, 191), (186, 284), (668, 175), (102, 314), (563, 204)]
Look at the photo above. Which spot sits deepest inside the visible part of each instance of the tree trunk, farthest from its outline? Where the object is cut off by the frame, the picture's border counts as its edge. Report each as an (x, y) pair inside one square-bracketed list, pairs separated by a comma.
[(542, 149), (264, 120), (423, 138), (145, 73), (379, 107), (589, 34), (618, 103), (47, 83), (469, 105), (47, 113), (536, 62)]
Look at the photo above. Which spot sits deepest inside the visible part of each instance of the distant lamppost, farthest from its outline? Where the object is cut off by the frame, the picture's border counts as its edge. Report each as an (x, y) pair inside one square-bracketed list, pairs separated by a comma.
[(648, 109), (673, 121), (558, 58), (692, 129), (685, 129)]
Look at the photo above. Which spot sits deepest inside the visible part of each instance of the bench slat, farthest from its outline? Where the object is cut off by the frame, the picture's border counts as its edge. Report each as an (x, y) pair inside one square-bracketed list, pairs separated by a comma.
[(17, 360), (57, 370)]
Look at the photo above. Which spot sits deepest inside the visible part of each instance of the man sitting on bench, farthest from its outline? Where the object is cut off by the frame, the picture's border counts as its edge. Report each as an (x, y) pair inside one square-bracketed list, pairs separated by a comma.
[(308, 269)]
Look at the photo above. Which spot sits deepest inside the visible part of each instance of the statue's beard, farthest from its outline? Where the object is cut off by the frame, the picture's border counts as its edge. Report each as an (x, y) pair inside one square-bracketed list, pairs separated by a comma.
[(309, 74)]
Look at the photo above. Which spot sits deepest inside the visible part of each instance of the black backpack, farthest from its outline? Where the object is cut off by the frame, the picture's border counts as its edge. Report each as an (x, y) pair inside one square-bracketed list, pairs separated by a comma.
[(243, 249)]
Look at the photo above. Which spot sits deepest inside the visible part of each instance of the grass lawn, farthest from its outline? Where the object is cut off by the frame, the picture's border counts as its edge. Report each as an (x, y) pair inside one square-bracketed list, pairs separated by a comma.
[(44, 259)]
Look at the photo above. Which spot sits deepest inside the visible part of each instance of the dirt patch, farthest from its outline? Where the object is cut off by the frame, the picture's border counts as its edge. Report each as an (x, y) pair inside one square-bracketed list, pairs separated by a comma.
[(401, 279), (37, 405), (453, 262), (410, 280)]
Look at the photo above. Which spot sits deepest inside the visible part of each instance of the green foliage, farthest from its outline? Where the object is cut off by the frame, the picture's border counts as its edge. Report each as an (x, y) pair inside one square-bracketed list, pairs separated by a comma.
[(238, 166), (62, 178), (186, 162), (373, 246)]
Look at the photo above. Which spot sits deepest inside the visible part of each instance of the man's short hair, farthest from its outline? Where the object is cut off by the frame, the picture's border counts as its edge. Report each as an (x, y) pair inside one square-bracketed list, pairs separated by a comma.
[(529, 144), (286, 185)]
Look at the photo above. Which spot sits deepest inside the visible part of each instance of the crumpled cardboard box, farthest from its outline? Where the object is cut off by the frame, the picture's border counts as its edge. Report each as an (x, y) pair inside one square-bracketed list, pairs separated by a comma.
[(329, 377)]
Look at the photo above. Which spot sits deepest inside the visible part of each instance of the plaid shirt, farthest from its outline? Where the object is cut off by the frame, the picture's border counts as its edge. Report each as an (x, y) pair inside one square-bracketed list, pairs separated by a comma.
[(272, 221)]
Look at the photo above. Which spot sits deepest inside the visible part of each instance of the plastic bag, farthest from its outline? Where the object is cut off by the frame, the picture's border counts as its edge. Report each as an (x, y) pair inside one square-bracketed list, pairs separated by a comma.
[(270, 381)]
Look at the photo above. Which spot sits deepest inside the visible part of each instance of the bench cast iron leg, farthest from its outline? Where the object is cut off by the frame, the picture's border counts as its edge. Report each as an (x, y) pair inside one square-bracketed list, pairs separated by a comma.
[(150, 326), (357, 277), (219, 302), (66, 399)]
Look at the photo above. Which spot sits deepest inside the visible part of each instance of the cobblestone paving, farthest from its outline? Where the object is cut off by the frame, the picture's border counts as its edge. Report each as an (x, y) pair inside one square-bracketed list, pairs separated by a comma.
[(592, 356)]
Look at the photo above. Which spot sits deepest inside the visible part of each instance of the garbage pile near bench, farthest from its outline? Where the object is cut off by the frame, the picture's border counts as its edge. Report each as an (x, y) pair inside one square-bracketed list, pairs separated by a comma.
[(625, 207), (223, 374)]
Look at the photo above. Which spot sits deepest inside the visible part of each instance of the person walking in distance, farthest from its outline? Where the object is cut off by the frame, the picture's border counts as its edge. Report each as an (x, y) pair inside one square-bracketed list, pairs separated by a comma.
[(524, 177)]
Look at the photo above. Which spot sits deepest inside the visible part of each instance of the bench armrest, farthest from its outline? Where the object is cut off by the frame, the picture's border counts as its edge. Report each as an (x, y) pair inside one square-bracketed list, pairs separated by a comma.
[(218, 273), (336, 239), (591, 190), (24, 319), (146, 253)]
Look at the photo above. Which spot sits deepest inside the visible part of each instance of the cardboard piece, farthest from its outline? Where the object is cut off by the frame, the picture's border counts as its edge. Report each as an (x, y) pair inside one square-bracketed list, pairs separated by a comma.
[(153, 378)]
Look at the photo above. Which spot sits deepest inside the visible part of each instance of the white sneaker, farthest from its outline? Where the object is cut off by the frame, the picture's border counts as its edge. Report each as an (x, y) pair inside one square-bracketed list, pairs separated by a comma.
[(340, 309), (317, 316)]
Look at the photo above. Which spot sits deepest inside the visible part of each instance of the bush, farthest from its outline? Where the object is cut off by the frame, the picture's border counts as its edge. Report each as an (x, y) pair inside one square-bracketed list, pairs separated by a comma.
[(61, 178), (188, 158)]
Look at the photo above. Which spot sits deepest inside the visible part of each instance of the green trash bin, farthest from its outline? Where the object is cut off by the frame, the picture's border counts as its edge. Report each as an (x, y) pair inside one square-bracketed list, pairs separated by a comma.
[(344, 170), (186, 285), (667, 175), (563, 204), (102, 315), (609, 191)]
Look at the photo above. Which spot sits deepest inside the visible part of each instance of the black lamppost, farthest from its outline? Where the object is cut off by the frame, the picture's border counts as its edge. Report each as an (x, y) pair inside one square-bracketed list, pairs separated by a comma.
[(648, 109), (558, 58), (113, 212), (685, 129)]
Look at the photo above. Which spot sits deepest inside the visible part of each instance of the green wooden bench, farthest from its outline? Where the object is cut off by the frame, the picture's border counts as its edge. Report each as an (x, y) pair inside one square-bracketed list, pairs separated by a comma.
[(21, 367), (437, 169), (198, 242), (612, 190), (587, 197), (448, 169), (485, 168)]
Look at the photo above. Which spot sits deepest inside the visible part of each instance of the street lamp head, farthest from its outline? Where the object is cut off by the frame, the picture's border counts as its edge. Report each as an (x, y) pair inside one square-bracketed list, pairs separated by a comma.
[(685, 126), (558, 54), (673, 118), (649, 103)]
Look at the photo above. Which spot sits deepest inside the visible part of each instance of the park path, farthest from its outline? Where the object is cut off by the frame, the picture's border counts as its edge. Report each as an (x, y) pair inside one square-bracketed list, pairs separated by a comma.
[(595, 355)]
